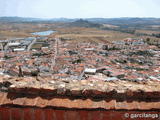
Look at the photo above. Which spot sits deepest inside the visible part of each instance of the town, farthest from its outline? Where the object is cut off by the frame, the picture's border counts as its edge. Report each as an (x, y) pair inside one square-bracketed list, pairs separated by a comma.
[(79, 60), (131, 59)]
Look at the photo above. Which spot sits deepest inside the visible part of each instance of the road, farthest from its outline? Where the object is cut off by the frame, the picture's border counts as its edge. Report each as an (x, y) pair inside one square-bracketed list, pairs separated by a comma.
[(1, 46), (30, 45), (56, 53)]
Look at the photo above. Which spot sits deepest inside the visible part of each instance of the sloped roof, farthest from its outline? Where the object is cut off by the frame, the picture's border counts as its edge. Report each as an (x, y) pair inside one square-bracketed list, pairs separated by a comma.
[(42, 93), (47, 101)]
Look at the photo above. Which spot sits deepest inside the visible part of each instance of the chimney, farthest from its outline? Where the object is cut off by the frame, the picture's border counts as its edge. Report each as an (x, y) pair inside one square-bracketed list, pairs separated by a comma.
[(20, 72)]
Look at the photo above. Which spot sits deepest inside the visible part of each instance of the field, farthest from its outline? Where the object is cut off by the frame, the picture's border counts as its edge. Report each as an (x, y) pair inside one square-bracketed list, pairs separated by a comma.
[(14, 34), (71, 34), (12, 30), (93, 35), (149, 32)]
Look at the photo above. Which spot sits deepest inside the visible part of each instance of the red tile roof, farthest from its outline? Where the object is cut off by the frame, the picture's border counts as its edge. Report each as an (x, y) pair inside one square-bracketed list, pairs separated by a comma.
[(43, 101), (121, 95)]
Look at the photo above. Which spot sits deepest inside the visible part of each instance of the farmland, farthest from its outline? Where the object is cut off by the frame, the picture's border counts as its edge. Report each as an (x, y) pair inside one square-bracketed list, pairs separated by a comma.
[(104, 34)]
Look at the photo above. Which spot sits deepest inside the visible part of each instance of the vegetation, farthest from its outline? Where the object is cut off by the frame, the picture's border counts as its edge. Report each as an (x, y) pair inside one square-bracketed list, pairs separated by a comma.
[(138, 69), (45, 45), (77, 61), (140, 62), (106, 54), (83, 23), (96, 30), (34, 73), (156, 35), (7, 57), (62, 39), (149, 42), (71, 52), (130, 31), (140, 52), (40, 54)]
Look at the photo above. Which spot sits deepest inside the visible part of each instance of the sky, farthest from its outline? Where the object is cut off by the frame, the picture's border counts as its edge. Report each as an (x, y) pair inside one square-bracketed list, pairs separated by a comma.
[(80, 8)]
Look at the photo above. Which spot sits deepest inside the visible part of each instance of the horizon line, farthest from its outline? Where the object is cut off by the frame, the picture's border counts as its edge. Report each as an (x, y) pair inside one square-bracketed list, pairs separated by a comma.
[(78, 18)]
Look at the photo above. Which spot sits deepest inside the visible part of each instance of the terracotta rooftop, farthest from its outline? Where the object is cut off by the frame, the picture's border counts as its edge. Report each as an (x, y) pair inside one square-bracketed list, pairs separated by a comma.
[(46, 101), (120, 95)]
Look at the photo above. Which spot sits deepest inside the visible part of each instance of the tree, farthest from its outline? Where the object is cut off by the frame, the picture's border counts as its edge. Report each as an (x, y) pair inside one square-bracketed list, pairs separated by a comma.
[(7, 57), (34, 73), (148, 40)]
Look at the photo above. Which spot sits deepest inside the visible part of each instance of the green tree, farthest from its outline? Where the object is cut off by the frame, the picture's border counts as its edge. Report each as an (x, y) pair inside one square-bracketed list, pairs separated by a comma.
[(148, 40), (34, 73)]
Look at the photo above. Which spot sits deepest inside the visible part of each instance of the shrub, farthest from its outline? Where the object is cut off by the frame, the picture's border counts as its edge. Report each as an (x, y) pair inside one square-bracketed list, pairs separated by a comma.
[(34, 73)]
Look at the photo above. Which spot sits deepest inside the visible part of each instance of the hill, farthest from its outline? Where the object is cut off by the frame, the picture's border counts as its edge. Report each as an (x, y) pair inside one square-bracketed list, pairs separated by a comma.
[(83, 23), (117, 21)]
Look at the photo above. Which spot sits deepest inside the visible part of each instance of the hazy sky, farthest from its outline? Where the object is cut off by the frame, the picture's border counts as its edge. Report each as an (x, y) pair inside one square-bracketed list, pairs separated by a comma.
[(80, 8)]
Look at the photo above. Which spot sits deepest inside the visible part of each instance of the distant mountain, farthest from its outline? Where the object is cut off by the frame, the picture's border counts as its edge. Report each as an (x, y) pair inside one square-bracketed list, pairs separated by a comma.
[(83, 23), (27, 19), (62, 19), (18, 19), (88, 22), (120, 21)]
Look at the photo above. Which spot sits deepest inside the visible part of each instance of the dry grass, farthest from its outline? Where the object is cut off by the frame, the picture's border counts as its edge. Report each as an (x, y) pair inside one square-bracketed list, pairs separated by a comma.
[(74, 34), (14, 34), (149, 33), (146, 32), (91, 35), (23, 29), (36, 46)]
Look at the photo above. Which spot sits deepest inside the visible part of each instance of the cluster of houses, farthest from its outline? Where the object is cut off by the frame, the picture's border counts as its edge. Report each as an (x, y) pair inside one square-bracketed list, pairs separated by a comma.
[(16, 45), (130, 59), (21, 44)]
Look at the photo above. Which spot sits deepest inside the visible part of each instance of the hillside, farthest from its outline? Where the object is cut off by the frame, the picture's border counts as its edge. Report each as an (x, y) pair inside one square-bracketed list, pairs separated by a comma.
[(83, 23)]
